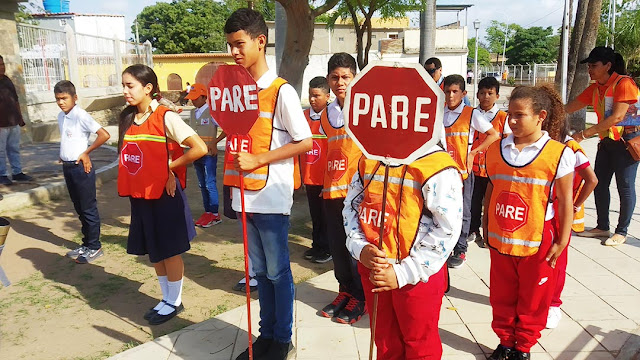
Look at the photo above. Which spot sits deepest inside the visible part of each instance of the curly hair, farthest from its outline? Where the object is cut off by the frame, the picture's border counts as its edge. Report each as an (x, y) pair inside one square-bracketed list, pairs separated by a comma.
[(545, 97)]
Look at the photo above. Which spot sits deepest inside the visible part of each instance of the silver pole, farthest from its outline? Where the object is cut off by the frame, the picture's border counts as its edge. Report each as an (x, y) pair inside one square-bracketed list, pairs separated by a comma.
[(475, 71), (137, 39), (565, 51), (613, 24), (504, 50)]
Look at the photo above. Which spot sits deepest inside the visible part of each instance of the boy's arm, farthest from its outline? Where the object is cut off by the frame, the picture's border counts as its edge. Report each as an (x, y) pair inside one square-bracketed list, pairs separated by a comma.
[(480, 123), (590, 182), (103, 136)]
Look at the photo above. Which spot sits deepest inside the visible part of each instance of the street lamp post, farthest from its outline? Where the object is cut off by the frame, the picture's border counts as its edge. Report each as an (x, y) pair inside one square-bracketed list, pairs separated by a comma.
[(504, 48), (476, 25)]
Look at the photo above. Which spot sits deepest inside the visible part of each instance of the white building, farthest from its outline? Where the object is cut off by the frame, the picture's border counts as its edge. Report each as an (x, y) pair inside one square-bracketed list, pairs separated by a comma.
[(109, 26)]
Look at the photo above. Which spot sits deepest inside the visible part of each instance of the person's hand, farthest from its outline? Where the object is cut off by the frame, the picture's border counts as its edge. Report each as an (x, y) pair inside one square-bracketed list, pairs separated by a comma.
[(554, 253), (470, 158), (579, 136), (384, 279), (86, 162), (213, 150), (372, 257), (170, 187), (244, 161)]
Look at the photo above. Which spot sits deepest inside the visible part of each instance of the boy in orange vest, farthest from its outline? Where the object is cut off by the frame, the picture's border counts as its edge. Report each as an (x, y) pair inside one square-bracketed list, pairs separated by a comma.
[(342, 162), (524, 232), (278, 136), (313, 165), (461, 122), (488, 94), (409, 272)]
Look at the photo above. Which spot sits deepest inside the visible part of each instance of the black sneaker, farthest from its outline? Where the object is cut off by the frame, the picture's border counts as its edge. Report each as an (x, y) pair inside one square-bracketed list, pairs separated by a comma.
[(77, 252), (4, 180), (456, 260), (336, 305), (22, 177), (519, 355), (89, 256), (280, 351), (502, 353), (311, 253), (472, 236), (260, 348), (480, 241), (322, 258), (352, 312)]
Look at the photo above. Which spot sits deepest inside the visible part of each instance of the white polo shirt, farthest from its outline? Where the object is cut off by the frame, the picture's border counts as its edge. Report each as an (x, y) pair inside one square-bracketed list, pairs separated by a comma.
[(75, 129)]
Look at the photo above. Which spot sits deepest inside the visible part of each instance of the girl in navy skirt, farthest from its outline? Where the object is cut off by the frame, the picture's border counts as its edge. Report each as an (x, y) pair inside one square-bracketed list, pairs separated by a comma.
[(152, 173)]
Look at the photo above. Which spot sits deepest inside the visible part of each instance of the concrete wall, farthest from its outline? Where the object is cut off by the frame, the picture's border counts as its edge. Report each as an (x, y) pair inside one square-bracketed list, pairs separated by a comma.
[(108, 26)]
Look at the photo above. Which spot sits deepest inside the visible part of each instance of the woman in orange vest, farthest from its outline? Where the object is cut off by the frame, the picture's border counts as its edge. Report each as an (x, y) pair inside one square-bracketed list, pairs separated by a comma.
[(150, 167), (524, 238), (612, 96)]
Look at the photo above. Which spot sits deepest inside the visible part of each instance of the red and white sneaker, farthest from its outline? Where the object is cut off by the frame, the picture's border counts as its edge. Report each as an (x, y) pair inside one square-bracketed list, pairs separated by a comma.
[(212, 219), (204, 217)]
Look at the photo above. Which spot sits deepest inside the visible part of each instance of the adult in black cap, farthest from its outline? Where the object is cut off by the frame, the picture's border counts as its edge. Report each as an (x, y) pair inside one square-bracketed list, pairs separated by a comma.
[(610, 95)]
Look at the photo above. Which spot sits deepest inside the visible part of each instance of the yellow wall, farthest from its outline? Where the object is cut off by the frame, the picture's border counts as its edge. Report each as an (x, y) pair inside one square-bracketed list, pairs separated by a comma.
[(185, 65)]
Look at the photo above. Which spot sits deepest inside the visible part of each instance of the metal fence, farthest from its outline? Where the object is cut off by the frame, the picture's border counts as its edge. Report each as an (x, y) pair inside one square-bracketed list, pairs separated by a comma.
[(529, 74), (89, 61)]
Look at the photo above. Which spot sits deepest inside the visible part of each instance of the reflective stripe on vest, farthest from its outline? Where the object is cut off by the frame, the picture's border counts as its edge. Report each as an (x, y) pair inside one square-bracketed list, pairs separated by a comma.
[(143, 167), (519, 199), (603, 106), (259, 139), (405, 201), (480, 161), (457, 137), (314, 162), (342, 160)]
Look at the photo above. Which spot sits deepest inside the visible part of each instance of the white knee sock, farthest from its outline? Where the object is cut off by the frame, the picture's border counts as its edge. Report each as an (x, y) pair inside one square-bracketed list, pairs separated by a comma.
[(165, 291), (175, 296)]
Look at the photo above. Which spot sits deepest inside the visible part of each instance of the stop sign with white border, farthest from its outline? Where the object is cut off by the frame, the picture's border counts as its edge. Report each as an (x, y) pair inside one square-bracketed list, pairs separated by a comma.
[(393, 111)]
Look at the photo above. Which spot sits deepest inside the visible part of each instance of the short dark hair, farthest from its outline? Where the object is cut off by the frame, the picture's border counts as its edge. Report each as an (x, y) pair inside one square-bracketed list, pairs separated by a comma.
[(251, 21), (1, 58), (435, 61), (342, 60), (319, 82), (64, 87), (489, 83), (455, 79)]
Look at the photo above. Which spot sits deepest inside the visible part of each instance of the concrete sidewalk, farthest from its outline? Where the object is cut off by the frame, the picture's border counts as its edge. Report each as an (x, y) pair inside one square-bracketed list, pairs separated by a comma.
[(601, 312)]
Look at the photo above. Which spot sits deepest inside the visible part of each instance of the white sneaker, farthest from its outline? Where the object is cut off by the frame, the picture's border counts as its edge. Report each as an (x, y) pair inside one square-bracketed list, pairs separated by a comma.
[(553, 319)]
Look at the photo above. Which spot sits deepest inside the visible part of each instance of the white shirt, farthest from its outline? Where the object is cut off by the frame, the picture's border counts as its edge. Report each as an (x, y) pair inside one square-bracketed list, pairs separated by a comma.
[(478, 121), (177, 129), (515, 157), (581, 158), (315, 115), (491, 114), (289, 124), (75, 129), (334, 114), (436, 236)]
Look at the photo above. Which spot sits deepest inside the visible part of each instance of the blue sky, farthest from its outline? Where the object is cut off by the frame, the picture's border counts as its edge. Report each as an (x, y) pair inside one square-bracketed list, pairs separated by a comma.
[(523, 12)]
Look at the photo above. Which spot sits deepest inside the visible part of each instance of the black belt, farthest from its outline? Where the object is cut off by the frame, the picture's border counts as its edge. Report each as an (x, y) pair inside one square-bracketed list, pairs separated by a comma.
[(69, 163)]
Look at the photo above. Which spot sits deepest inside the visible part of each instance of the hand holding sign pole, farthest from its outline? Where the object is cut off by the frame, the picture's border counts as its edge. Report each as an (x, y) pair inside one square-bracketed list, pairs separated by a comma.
[(233, 102), (406, 111)]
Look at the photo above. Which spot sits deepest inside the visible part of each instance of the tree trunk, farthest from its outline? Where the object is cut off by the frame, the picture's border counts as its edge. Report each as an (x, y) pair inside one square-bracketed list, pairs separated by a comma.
[(588, 37), (574, 45), (367, 24), (427, 31), (300, 25)]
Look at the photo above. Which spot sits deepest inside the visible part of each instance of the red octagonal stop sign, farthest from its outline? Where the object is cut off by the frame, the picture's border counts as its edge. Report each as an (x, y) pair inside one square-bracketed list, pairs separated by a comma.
[(233, 99), (511, 211), (131, 158), (393, 111)]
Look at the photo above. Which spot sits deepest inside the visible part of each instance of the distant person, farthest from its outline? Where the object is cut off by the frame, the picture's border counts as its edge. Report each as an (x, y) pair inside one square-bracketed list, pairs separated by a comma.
[(433, 66), (75, 126), (188, 89), (469, 77), (611, 96), (152, 173), (10, 122)]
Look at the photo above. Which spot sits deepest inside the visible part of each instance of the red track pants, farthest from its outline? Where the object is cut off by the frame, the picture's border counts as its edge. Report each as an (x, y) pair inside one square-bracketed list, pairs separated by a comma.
[(520, 293), (407, 323), (561, 270)]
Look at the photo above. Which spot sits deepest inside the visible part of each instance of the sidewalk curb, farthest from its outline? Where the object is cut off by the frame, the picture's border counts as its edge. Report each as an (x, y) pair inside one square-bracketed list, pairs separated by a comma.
[(55, 190), (631, 348)]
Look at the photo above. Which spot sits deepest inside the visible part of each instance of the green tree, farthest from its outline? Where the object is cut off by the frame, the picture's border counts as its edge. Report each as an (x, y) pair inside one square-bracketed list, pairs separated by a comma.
[(626, 38), (495, 35), (266, 7), (184, 26), (484, 57), (533, 45)]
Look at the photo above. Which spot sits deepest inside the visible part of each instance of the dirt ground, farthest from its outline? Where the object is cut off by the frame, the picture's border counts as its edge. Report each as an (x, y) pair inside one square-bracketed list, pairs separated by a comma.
[(56, 309)]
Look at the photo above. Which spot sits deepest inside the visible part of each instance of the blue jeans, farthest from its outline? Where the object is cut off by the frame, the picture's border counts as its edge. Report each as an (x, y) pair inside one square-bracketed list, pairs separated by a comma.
[(467, 195), (613, 158), (10, 148), (269, 251), (206, 172), (82, 190)]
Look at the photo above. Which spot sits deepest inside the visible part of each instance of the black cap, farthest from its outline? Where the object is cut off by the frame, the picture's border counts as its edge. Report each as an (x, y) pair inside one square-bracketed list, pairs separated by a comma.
[(603, 54)]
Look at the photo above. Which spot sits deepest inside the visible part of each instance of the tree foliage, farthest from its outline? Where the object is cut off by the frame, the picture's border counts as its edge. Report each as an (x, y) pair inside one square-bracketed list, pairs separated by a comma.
[(185, 26), (495, 35), (484, 57), (626, 38), (533, 45)]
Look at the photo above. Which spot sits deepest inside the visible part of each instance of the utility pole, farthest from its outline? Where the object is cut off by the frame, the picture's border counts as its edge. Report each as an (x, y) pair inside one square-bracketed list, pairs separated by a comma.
[(504, 48), (613, 24), (427, 31), (281, 33), (476, 25), (565, 51), (137, 39)]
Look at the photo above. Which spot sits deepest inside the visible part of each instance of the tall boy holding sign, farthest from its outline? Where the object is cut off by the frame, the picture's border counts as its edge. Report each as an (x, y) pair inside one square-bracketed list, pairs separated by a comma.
[(280, 133)]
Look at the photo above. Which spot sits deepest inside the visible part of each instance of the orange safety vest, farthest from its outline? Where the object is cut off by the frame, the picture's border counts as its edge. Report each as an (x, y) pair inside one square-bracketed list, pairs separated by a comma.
[(314, 162), (405, 203), (480, 161), (342, 160), (578, 182), (257, 141), (603, 105), (519, 199), (457, 135), (143, 167)]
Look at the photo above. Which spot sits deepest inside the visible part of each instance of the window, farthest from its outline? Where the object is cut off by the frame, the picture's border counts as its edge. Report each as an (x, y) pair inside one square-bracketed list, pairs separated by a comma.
[(392, 35), (340, 39)]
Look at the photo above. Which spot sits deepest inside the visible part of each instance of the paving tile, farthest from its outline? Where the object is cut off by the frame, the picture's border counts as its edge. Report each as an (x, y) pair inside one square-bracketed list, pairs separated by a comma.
[(308, 316), (328, 341), (573, 287), (488, 340), (593, 248), (612, 334), (159, 348), (582, 308), (627, 305), (580, 266), (321, 292), (603, 285), (568, 336), (448, 313), (570, 355), (216, 345), (457, 340), (363, 338), (473, 312), (226, 319)]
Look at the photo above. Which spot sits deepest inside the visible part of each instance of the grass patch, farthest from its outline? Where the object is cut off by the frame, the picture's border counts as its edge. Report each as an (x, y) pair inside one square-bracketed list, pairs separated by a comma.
[(221, 308)]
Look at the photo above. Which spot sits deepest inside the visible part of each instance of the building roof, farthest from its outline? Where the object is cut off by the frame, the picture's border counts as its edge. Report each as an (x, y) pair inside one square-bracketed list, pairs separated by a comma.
[(53, 15), (452, 7)]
